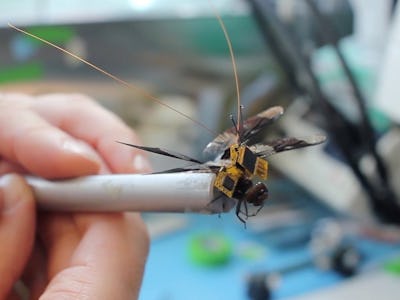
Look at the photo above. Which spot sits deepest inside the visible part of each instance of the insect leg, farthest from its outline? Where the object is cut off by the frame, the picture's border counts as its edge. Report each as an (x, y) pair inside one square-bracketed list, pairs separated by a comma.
[(239, 211), (258, 210), (246, 210)]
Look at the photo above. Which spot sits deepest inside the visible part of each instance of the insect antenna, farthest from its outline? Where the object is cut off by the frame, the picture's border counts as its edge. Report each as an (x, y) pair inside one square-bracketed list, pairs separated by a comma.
[(235, 73), (130, 86)]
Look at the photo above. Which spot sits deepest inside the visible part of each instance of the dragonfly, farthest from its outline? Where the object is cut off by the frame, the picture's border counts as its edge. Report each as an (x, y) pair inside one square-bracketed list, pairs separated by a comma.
[(235, 158)]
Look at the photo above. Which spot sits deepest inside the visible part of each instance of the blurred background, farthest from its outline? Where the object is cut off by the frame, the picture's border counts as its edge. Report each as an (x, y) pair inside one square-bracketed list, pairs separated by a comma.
[(331, 228)]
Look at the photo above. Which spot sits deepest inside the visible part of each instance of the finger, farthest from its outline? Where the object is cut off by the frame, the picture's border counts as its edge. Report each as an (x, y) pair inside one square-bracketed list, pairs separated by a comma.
[(60, 237), (109, 261), (35, 273), (7, 167), (41, 148), (17, 229), (85, 119), (13, 295)]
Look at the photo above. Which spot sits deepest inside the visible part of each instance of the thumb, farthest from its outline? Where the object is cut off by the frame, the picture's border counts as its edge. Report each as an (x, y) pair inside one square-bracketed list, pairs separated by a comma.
[(17, 229)]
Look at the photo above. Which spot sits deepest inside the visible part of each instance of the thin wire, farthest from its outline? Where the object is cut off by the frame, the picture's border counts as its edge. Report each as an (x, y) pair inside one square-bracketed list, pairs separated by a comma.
[(234, 66), (119, 80)]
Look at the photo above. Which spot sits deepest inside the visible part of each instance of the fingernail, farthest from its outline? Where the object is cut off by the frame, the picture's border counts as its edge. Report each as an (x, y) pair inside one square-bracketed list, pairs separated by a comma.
[(10, 191), (141, 164), (79, 148)]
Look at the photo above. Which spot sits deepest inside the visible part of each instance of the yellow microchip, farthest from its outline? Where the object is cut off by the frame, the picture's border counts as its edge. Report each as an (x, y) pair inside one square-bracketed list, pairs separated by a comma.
[(243, 163), (227, 179), (261, 169), (252, 164), (234, 153)]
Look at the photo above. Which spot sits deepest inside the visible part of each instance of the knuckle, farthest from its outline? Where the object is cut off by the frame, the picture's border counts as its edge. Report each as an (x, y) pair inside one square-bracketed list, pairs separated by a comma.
[(78, 97)]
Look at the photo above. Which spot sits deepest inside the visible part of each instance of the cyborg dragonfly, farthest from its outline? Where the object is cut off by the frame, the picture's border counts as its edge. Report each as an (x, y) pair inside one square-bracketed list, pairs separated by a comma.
[(237, 160)]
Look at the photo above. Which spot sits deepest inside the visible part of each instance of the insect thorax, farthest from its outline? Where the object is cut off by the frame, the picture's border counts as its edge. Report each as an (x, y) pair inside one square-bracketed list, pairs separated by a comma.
[(244, 164)]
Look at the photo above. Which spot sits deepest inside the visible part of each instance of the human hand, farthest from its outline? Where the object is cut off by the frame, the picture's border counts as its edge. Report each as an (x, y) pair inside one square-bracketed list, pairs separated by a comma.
[(66, 255)]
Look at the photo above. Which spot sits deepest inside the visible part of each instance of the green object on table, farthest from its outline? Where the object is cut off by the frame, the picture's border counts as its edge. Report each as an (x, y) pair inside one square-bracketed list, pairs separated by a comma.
[(210, 249), (27, 71), (393, 266)]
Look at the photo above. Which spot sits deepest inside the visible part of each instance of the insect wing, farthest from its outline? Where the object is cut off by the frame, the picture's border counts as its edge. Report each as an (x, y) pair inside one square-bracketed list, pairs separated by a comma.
[(192, 168), (164, 152), (285, 144), (251, 126)]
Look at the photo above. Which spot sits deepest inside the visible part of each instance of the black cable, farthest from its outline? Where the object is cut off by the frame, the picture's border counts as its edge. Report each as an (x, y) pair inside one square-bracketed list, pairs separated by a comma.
[(338, 127), (272, 42), (330, 36), (382, 189)]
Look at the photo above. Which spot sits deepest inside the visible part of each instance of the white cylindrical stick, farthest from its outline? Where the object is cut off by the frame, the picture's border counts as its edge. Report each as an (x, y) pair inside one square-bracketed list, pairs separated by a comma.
[(174, 192)]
